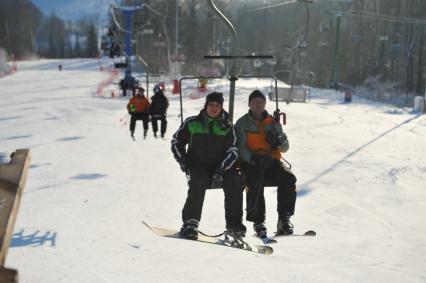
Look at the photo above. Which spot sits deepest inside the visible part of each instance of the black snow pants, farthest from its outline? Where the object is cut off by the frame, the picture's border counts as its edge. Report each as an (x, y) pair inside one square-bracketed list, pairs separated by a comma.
[(275, 175), (200, 180), (139, 116), (155, 119)]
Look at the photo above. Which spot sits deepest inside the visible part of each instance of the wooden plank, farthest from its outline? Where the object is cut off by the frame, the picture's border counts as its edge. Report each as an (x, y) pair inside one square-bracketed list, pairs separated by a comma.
[(13, 177), (8, 275)]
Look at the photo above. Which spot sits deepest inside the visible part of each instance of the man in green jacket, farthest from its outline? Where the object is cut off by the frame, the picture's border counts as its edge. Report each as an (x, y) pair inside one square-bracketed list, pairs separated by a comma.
[(260, 143), (209, 162)]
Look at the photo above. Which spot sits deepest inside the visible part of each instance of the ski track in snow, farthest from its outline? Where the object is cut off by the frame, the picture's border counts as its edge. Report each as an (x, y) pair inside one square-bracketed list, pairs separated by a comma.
[(360, 170)]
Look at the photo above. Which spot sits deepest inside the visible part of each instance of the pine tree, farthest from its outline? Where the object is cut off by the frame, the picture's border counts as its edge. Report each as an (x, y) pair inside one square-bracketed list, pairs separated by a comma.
[(92, 41)]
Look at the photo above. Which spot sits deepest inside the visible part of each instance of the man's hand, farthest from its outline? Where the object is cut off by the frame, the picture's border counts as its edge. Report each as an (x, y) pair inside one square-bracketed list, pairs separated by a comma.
[(274, 139), (183, 167), (183, 163)]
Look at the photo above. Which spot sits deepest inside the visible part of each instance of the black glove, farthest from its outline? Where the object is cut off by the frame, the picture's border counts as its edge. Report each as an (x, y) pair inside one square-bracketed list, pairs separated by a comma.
[(184, 167), (274, 139), (183, 163), (217, 179), (262, 160)]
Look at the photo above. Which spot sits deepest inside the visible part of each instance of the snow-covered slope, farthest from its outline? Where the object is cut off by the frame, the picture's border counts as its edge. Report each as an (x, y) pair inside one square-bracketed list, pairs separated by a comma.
[(361, 181)]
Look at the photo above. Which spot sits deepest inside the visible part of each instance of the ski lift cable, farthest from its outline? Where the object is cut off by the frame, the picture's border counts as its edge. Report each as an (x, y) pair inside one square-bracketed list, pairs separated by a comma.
[(268, 51), (115, 20), (299, 44), (227, 23), (373, 14), (386, 18), (271, 6), (143, 61), (308, 20), (153, 10)]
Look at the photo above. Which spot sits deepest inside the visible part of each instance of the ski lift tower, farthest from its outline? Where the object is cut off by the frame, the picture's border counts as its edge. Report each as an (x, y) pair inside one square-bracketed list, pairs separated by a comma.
[(127, 14)]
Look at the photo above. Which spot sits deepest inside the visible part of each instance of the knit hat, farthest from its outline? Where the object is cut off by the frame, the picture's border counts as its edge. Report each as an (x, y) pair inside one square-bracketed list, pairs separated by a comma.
[(214, 97), (256, 93), (157, 89)]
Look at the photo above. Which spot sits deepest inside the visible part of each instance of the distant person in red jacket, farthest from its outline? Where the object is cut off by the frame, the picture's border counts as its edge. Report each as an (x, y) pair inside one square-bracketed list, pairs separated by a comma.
[(138, 108)]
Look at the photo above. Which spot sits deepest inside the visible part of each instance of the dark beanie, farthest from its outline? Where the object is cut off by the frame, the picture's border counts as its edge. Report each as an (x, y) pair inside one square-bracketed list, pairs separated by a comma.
[(256, 93), (214, 97)]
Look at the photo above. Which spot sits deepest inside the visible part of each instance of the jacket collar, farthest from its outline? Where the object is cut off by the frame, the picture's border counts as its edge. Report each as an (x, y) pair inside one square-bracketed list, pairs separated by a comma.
[(265, 115), (223, 118)]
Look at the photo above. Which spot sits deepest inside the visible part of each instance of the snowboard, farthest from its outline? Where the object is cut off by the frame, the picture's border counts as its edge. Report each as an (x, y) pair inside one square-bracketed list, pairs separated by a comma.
[(170, 233)]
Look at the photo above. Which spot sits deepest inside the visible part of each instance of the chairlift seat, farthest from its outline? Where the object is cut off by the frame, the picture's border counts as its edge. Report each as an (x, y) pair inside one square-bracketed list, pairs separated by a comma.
[(287, 94)]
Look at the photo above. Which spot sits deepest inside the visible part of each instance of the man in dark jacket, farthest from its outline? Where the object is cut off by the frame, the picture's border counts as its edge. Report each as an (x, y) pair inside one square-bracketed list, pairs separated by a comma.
[(209, 162), (159, 105)]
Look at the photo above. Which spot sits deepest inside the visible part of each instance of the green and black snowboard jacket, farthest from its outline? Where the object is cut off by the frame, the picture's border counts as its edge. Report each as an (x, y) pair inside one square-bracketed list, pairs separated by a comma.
[(211, 142)]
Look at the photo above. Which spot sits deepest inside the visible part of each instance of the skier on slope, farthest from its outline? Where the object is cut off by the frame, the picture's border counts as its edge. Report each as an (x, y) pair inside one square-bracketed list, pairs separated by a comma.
[(260, 143), (209, 162), (138, 108), (159, 105)]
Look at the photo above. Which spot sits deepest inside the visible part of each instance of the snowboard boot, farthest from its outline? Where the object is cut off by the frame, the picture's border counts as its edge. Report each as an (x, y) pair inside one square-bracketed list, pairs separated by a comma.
[(189, 229), (236, 231), (284, 227), (260, 229)]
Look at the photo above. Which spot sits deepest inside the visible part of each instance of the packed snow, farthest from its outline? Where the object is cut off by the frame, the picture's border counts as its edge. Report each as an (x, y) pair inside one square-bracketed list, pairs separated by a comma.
[(361, 186)]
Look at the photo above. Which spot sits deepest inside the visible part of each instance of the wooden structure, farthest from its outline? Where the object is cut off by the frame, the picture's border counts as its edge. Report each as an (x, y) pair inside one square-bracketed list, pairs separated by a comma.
[(13, 176)]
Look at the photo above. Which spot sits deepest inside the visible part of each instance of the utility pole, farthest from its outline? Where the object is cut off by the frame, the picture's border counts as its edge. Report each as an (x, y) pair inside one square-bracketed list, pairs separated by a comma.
[(177, 27), (333, 82), (383, 39), (421, 68), (176, 65)]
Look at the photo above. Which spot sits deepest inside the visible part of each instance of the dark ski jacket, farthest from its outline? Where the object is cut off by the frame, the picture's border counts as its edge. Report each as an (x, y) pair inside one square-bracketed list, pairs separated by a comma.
[(211, 142), (159, 104)]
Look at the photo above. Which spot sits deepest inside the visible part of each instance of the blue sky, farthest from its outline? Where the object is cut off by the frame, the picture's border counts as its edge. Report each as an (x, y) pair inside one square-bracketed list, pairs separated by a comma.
[(47, 5)]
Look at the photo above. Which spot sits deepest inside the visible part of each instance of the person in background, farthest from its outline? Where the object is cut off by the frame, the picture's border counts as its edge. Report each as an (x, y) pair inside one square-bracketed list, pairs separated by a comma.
[(138, 108), (158, 109), (261, 141)]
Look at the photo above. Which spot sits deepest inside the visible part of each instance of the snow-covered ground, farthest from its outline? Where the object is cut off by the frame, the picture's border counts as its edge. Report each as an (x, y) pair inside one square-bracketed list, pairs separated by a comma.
[(361, 172)]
